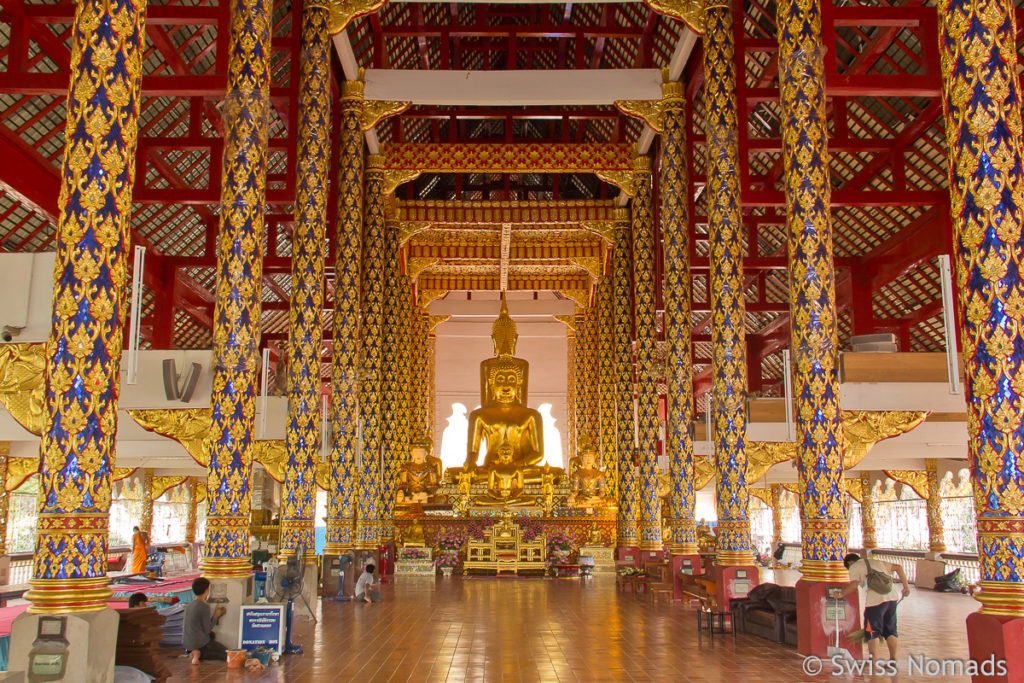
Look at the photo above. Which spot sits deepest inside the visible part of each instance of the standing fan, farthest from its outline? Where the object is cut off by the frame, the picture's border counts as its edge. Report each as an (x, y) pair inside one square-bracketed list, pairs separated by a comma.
[(285, 585)]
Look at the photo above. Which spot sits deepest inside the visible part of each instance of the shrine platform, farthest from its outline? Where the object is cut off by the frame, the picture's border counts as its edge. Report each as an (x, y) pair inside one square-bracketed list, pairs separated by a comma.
[(489, 629)]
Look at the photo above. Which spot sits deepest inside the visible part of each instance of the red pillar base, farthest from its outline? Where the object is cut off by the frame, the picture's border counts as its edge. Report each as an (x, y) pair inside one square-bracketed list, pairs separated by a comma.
[(992, 640), (628, 553), (816, 619), (649, 556), (683, 564), (733, 582)]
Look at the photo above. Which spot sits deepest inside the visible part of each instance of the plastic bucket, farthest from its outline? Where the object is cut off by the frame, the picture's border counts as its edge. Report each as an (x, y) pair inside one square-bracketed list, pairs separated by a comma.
[(262, 655), (236, 658)]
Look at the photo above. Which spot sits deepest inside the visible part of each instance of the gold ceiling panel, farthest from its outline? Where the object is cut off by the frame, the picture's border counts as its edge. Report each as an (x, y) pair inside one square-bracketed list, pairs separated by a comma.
[(507, 157), (498, 212)]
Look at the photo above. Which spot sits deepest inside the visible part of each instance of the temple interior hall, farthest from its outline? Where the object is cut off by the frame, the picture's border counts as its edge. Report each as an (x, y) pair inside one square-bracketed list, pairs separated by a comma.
[(373, 340)]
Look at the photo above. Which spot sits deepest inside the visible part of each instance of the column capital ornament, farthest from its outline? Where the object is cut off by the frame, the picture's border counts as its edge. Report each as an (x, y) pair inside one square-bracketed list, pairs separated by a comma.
[(375, 111), (344, 11)]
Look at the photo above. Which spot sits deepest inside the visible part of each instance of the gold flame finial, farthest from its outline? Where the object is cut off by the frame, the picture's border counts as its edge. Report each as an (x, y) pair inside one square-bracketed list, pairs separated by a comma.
[(503, 332)]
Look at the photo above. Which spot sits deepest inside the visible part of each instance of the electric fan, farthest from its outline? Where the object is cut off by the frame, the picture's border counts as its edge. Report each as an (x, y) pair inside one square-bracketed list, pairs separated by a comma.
[(284, 584)]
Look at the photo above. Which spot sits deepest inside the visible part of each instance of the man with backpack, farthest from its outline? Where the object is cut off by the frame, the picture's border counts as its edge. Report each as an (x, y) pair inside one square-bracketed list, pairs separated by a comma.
[(882, 598)]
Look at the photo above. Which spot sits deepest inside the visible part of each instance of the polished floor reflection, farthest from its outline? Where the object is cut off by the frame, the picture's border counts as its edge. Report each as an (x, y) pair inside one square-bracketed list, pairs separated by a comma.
[(486, 629)]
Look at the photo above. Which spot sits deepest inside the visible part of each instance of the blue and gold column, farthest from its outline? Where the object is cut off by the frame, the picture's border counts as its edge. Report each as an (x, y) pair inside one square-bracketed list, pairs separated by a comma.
[(675, 228), (812, 303), (394, 400), (981, 94), (302, 435), (344, 477), (606, 373), (236, 328), (867, 512), (622, 275), (83, 355), (372, 407), (646, 381), (728, 310)]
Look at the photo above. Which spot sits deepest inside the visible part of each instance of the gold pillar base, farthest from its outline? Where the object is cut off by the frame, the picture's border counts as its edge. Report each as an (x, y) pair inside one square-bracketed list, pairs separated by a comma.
[(225, 567), (734, 558), (338, 549), (1004, 598), (62, 596), (937, 547), (684, 549), (824, 571)]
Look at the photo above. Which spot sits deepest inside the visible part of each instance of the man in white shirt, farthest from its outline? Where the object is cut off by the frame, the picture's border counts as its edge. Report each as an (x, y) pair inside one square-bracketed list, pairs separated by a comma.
[(879, 608)]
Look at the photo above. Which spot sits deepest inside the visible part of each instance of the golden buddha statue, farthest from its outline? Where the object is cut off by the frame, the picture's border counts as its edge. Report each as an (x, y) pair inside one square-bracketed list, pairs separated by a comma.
[(589, 487), (413, 536), (506, 482), (504, 420), (420, 476)]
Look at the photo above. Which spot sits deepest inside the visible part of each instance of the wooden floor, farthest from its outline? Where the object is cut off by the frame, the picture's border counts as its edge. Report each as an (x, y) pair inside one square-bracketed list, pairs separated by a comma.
[(488, 629)]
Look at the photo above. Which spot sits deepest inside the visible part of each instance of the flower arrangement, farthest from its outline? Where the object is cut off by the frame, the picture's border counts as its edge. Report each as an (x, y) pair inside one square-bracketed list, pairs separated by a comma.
[(559, 541), (631, 571), (531, 528), (414, 554), (450, 540), (477, 529), (447, 559)]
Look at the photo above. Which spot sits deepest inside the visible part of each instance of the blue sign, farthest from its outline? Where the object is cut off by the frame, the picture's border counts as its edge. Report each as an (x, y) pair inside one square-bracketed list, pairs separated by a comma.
[(262, 626)]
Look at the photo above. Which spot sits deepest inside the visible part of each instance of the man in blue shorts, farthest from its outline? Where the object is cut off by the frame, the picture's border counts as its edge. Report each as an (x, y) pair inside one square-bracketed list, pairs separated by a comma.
[(879, 608)]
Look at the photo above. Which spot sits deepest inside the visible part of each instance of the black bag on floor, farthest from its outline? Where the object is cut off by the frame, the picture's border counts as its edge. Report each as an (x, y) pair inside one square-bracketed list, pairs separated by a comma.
[(948, 583)]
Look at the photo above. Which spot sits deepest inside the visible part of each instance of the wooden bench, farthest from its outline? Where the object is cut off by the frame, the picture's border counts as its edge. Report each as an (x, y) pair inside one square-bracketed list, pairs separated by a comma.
[(694, 589), (13, 592), (660, 584)]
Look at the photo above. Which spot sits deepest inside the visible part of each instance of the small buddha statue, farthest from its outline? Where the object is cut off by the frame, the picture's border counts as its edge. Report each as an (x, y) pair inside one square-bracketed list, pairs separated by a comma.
[(594, 536), (503, 419), (547, 488), (413, 537), (506, 482), (589, 487), (706, 540), (420, 475)]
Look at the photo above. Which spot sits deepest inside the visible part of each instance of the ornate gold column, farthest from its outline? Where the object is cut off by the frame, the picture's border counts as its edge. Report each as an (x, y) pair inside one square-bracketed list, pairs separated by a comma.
[(776, 514), (867, 511), (305, 386), (345, 347), (146, 521), (812, 304), (431, 389), (728, 309), (675, 228), (587, 402), (571, 388), (606, 373), (394, 380), (83, 355), (193, 510), (236, 329), (936, 534), (628, 535), (646, 375), (5, 500), (372, 408), (981, 94)]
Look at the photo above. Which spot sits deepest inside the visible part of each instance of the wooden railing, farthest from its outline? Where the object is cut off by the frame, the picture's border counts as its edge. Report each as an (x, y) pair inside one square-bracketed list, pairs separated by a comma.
[(970, 570), (21, 563)]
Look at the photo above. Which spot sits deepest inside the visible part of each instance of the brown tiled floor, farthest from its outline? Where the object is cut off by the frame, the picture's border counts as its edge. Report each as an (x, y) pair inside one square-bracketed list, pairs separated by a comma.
[(552, 630)]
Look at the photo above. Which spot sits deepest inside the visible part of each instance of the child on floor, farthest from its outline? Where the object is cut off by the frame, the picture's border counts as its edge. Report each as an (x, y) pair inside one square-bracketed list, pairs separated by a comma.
[(364, 585)]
